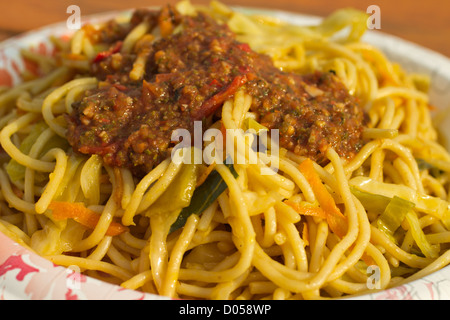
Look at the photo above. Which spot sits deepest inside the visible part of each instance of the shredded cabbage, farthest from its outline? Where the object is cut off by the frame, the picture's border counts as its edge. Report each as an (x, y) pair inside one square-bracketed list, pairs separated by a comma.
[(354, 19), (434, 206), (430, 251), (179, 193), (15, 170)]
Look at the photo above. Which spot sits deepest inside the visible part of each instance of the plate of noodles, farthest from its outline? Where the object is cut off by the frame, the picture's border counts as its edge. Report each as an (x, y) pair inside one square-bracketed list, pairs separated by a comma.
[(209, 152)]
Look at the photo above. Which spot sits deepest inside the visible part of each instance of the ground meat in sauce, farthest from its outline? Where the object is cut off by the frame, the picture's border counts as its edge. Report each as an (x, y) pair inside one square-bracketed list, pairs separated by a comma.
[(312, 112), (188, 76)]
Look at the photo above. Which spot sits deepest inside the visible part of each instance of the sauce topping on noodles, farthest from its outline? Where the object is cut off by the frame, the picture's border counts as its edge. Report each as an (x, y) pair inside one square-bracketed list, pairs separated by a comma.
[(188, 73)]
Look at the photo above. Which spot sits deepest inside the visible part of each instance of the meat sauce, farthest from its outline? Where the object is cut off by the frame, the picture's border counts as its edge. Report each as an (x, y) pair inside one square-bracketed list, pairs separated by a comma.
[(189, 73)]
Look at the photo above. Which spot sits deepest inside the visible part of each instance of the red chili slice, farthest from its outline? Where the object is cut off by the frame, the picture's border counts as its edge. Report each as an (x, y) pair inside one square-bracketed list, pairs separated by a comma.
[(213, 103), (104, 54)]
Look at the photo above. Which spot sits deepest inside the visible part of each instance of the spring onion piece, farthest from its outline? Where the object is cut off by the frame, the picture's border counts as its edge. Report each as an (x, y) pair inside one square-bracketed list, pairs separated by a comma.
[(393, 215), (398, 209), (203, 197), (372, 202)]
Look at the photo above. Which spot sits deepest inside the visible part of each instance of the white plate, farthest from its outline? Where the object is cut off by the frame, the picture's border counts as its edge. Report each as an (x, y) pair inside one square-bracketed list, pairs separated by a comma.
[(25, 275)]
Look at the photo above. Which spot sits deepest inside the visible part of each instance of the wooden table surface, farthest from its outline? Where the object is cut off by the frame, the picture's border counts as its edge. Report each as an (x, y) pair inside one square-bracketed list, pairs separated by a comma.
[(425, 22)]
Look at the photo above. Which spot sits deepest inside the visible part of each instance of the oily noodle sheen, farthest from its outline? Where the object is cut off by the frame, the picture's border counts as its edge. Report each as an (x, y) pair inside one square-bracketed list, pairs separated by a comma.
[(305, 232)]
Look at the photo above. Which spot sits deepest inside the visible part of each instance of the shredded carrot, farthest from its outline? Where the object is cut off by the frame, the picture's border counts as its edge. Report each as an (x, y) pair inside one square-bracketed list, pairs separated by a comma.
[(307, 210), (305, 234), (368, 259), (82, 215), (336, 220), (388, 80)]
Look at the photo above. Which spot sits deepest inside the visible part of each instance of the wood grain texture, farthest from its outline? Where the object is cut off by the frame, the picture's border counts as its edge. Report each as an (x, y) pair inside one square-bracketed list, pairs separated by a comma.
[(424, 22)]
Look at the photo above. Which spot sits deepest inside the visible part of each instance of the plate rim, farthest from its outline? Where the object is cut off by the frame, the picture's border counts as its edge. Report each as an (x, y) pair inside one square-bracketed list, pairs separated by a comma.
[(376, 37)]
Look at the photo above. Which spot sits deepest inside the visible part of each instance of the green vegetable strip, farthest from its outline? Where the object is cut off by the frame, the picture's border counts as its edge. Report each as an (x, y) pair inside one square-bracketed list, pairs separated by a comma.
[(203, 197), (372, 202), (393, 215), (393, 212), (15, 170)]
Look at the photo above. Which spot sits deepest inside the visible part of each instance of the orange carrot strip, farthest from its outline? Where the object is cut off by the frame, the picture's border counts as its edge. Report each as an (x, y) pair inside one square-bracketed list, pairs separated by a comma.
[(336, 220), (307, 210), (82, 215), (305, 234), (369, 261)]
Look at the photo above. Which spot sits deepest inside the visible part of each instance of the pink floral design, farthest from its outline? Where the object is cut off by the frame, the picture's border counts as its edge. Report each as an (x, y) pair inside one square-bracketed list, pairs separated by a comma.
[(16, 262)]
